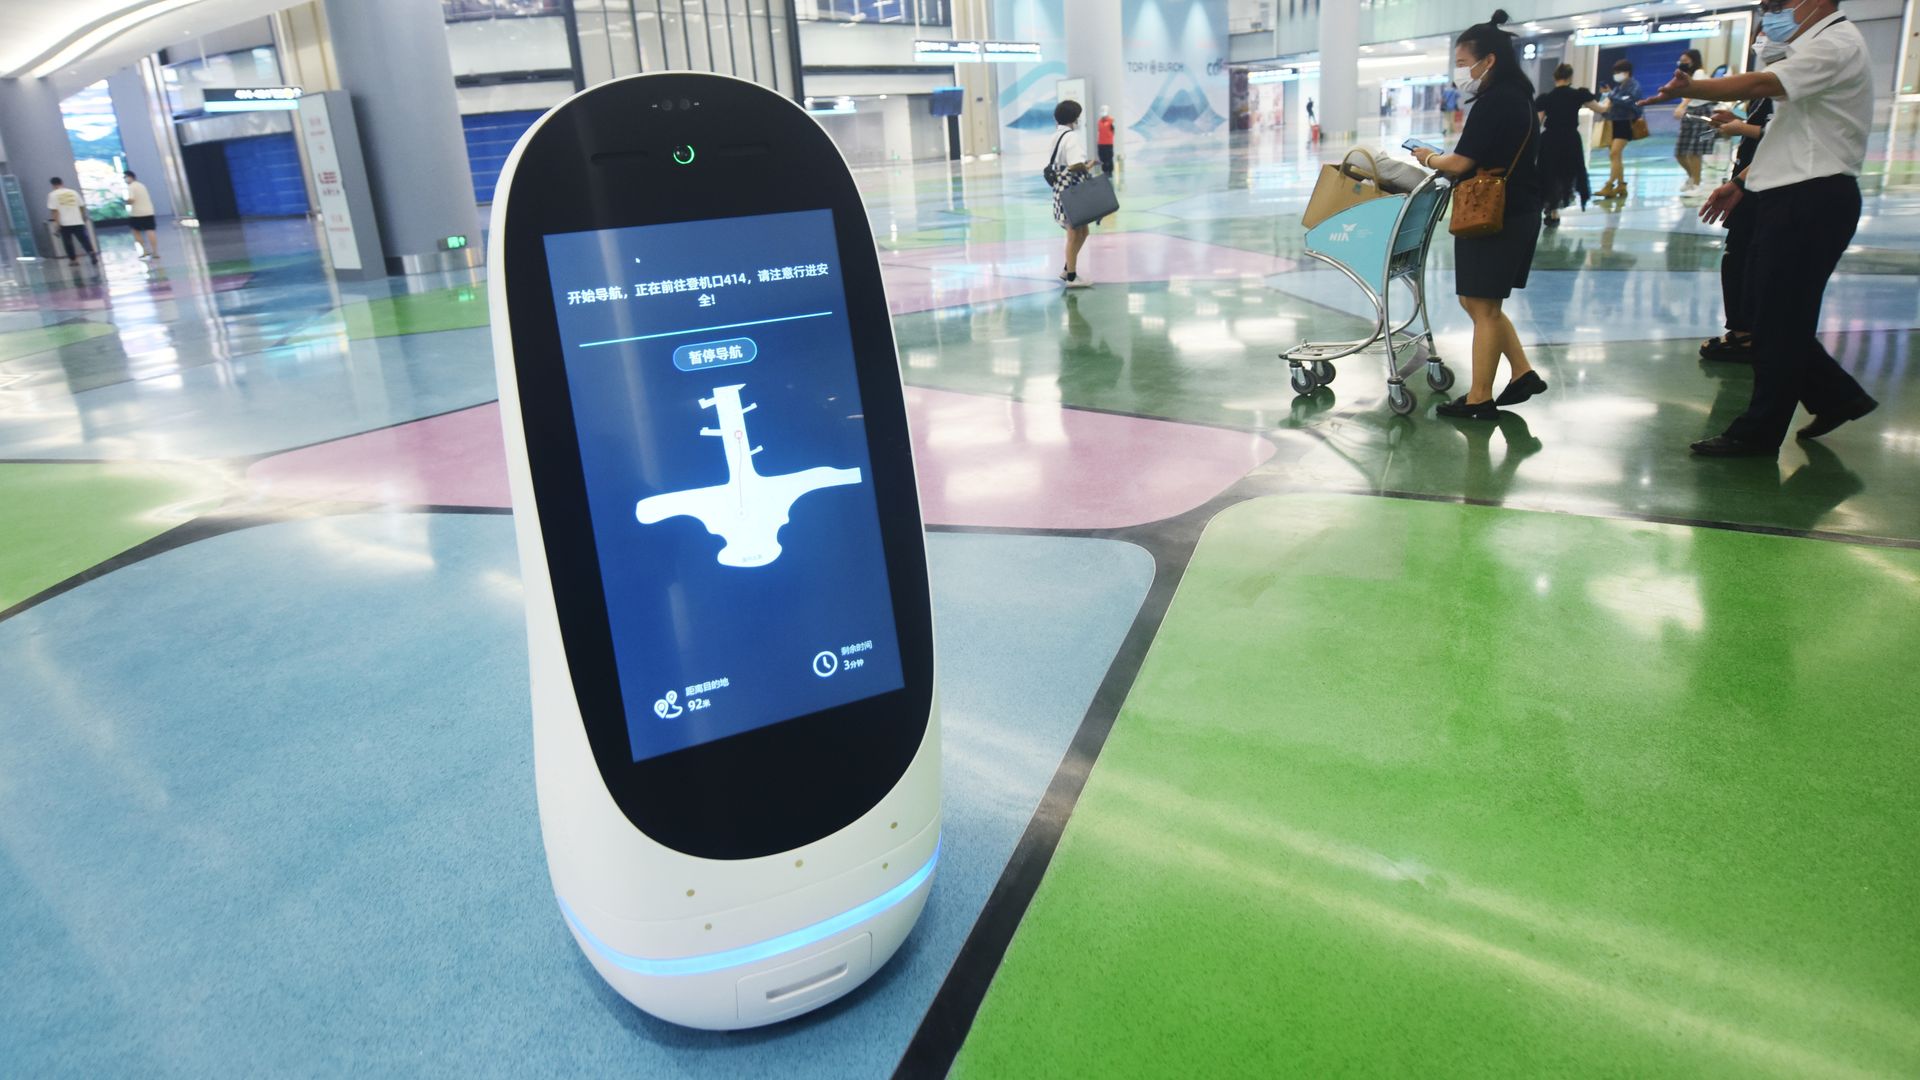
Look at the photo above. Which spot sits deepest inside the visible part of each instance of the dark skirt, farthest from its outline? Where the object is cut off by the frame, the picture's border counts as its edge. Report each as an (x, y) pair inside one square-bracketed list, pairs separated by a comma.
[(1623, 129), (1563, 169), (1491, 267)]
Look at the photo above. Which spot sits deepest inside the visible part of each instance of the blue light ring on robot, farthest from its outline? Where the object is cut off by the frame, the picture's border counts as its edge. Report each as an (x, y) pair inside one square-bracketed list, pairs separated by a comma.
[(747, 954)]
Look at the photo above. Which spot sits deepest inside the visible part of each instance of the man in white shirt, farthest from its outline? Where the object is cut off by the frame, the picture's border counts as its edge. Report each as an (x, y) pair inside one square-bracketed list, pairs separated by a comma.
[(140, 216), (68, 213), (1805, 182)]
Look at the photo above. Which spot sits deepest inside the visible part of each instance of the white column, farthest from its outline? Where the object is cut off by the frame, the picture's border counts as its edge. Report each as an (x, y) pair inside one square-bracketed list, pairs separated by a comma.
[(980, 113), (1094, 54), (393, 60), (36, 145), (134, 113), (1339, 103)]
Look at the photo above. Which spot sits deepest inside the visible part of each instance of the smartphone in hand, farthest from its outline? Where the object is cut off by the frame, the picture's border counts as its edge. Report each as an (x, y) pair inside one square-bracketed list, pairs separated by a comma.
[(1416, 144)]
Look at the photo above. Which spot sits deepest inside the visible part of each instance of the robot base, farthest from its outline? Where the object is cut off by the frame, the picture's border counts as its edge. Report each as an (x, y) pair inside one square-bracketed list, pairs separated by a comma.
[(771, 981)]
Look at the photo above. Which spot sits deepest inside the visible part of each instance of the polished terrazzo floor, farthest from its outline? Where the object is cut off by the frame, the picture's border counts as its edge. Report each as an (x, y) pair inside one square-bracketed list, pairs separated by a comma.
[(1283, 735)]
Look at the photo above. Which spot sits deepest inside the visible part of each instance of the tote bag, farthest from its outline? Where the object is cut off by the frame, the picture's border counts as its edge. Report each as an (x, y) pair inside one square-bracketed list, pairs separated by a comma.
[(1342, 186), (1088, 199)]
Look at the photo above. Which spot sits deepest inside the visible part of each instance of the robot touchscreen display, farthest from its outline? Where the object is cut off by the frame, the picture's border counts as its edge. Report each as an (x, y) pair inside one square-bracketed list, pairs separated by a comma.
[(714, 392)]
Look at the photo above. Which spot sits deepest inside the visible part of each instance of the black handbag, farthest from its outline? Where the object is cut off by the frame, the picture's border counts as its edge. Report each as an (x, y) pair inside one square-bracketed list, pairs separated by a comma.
[(1050, 174)]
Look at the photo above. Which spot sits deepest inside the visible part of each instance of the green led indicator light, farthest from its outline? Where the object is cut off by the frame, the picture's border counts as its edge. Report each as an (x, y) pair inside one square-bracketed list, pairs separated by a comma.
[(455, 243), (683, 155)]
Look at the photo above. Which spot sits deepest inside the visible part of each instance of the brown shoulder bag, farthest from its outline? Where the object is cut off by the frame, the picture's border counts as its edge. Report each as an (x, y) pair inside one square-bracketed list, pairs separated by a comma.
[(1480, 204)]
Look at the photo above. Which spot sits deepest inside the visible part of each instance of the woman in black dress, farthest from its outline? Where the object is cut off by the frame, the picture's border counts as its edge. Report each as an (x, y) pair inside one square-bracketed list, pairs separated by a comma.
[(1502, 136), (1563, 156)]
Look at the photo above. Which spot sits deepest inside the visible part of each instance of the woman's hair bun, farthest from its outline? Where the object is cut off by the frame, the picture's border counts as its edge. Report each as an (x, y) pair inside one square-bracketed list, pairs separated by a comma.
[(1500, 17)]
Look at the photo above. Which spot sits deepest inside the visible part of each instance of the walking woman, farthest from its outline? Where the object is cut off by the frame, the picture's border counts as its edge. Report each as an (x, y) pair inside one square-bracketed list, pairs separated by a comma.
[(1563, 155), (1696, 132), (1623, 103), (1063, 171), (1502, 137)]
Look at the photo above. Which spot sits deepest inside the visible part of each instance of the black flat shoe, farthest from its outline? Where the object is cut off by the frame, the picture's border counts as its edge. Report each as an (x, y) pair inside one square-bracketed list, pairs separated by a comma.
[(1521, 389), (1825, 422), (1460, 410), (1728, 446)]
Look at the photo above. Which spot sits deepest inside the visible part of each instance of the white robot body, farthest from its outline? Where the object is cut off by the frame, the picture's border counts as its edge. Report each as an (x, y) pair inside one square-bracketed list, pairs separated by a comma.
[(715, 943)]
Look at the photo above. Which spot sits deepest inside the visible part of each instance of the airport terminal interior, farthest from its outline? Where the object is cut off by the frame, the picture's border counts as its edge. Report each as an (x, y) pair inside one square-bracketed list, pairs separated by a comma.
[(1281, 733)]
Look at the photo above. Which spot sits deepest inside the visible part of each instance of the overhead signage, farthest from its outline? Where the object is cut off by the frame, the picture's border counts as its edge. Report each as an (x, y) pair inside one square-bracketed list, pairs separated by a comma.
[(1613, 35), (946, 52), (1010, 52), (954, 51), (833, 106), (1684, 31), (1267, 76), (251, 99)]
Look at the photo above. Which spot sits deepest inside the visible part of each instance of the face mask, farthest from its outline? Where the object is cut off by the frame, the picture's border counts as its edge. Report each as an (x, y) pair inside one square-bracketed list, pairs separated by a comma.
[(1619, 76), (1779, 25), (1464, 81)]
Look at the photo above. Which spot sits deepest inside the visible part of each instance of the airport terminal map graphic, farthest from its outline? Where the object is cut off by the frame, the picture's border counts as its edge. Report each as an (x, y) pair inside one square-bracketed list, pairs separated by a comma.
[(749, 509)]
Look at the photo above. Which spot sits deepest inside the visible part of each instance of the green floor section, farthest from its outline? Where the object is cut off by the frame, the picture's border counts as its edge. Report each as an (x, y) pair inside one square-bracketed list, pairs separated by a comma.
[(1611, 434), (1419, 789), (15, 344), (57, 520), (461, 307)]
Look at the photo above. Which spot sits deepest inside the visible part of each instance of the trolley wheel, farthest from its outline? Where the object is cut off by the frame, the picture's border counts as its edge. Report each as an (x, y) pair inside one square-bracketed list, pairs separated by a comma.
[(1400, 399), (1439, 376), (1323, 372), (1302, 379)]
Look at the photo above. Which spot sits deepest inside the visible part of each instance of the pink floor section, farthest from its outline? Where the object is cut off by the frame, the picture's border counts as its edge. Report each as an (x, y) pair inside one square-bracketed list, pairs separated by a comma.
[(920, 288), (982, 461)]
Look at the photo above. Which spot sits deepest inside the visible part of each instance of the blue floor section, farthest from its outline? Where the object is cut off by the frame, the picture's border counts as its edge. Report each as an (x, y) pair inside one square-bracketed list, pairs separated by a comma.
[(320, 854), (288, 396)]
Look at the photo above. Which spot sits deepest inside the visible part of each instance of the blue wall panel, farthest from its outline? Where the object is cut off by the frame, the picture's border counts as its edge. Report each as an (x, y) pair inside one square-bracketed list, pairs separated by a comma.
[(490, 138), (266, 176)]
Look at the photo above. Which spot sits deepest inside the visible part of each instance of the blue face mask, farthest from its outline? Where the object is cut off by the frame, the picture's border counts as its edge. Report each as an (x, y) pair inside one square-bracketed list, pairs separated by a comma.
[(1779, 25)]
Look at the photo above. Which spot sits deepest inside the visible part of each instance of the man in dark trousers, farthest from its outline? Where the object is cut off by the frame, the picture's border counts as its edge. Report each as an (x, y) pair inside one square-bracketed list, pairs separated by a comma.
[(67, 212), (1804, 181)]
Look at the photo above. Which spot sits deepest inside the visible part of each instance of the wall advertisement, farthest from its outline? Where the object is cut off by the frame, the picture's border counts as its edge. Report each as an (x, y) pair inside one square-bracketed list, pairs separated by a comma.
[(1175, 55)]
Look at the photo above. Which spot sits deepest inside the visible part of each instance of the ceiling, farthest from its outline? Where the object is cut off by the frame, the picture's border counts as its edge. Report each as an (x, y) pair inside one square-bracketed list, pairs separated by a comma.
[(101, 36)]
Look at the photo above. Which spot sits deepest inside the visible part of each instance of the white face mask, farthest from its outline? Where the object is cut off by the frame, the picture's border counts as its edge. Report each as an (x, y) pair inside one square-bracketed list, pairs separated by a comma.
[(1464, 81), (1619, 76)]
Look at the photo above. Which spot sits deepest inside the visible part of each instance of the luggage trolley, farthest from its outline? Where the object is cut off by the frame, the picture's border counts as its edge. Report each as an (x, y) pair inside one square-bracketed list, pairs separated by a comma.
[(1376, 243)]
